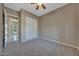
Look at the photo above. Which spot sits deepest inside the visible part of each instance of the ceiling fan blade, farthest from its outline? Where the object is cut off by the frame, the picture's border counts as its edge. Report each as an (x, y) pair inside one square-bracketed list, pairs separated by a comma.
[(37, 7), (43, 6)]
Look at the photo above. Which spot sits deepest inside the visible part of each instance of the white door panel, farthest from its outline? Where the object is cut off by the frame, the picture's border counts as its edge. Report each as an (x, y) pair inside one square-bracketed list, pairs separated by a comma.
[(31, 28)]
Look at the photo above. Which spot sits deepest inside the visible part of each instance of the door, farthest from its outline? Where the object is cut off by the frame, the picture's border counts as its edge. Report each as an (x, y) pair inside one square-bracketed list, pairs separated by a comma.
[(12, 32), (31, 28)]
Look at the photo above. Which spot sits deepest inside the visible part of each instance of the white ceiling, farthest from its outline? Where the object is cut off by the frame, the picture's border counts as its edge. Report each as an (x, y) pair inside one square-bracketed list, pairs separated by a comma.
[(30, 8)]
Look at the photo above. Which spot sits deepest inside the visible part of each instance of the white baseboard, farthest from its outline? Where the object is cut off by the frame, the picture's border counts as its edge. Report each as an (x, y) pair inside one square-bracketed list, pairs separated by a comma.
[(66, 44)]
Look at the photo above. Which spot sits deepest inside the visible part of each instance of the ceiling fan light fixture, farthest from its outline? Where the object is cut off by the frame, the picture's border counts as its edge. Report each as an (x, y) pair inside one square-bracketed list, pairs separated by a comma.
[(38, 5)]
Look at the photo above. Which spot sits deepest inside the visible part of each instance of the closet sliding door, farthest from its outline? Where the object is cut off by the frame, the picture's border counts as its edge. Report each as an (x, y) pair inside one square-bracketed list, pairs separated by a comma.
[(31, 28)]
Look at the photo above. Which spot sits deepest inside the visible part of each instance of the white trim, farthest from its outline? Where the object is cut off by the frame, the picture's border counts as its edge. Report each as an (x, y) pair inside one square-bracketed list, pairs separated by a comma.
[(66, 44), (10, 14)]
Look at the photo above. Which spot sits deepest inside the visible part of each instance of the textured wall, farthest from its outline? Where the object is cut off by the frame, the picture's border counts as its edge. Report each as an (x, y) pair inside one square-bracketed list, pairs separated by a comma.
[(61, 24), (1, 25), (78, 24)]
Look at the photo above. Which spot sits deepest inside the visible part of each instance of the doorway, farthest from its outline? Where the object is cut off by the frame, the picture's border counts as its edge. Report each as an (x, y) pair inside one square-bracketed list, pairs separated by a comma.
[(11, 29)]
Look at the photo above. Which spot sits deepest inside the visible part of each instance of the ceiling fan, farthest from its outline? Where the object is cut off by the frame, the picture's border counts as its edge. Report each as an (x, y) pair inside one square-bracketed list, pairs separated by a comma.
[(38, 5)]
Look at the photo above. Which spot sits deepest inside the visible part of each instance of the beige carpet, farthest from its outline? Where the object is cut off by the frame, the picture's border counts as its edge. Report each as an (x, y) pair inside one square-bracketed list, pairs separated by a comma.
[(39, 47)]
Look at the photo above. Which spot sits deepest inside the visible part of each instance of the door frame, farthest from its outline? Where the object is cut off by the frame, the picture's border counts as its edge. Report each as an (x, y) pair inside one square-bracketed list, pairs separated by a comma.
[(5, 14)]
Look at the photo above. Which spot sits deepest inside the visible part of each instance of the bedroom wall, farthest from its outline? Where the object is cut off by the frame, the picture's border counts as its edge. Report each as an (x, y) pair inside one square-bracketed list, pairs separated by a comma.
[(60, 25), (1, 25), (78, 24)]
